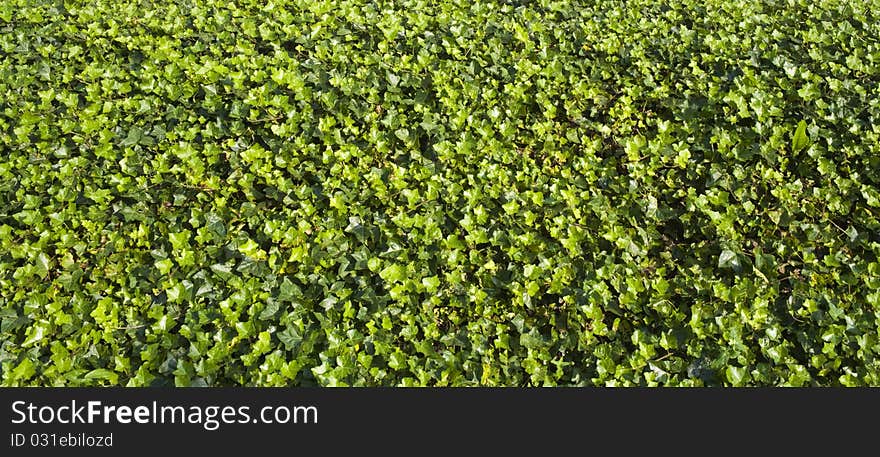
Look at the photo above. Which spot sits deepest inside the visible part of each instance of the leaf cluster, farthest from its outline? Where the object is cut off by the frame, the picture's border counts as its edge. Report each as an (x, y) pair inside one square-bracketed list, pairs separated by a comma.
[(439, 192)]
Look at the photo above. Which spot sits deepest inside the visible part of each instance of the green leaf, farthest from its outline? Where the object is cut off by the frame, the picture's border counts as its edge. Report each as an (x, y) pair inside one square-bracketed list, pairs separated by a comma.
[(431, 283), (6, 12), (270, 310), (24, 371), (800, 140), (328, 302), (737, 376), (102, 374), (728, 259), (531, 340), (872, 196), (393, 79), (290, 338), (134, 137), (215, 223), (43, 264), (289, 291), (393, 273), (164, 266), (251, 249)]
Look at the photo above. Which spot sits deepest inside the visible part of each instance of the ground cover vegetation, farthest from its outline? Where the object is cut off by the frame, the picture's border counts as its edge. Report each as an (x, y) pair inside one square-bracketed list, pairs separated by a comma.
[(446, 192)]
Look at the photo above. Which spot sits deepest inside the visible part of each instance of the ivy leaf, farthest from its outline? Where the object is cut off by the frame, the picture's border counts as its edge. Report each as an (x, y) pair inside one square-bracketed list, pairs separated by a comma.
[(24, 371), (729, 259), (737, 376), (135, 135), (393, 79), (251, 249), (800, 140), (431, 283), (290, 338), (289, 291), (270, 310), (102, 374), (393, 273)]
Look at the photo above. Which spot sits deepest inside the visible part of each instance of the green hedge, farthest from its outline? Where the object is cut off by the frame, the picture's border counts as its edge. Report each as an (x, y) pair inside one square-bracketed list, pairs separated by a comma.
[(439, 192)]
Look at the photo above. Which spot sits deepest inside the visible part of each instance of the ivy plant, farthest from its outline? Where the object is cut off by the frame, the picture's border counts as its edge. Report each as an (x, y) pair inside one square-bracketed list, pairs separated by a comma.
[(439, 193)]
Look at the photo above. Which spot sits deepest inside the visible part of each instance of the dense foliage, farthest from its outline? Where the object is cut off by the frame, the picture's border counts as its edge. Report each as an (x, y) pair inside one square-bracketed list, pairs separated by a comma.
[(439, 192)]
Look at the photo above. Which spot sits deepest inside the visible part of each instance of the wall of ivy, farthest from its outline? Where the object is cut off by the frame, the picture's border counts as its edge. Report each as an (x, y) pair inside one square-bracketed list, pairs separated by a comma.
[(439, 192)]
